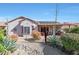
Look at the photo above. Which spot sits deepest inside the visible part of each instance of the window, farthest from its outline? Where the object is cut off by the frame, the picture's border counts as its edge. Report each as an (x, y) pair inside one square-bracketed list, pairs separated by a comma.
[(27, 30)]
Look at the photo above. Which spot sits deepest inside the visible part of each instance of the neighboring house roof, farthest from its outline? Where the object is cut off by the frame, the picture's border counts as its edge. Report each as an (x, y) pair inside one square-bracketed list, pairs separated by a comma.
[(73, 24), (48, 23), (2, 24), (23, 18)]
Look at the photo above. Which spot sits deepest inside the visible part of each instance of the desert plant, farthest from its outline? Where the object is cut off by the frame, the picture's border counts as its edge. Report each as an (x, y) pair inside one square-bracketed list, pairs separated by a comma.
[(67, 42), (13, 37), (36, 35), (74, 30), (9, 45), (1, 35), (2, 49), (3, 31), (6, 44), (70, 43), (53, 40)]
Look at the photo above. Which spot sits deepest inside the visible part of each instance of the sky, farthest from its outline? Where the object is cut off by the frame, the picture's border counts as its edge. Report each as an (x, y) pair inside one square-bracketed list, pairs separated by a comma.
[(40, 11)]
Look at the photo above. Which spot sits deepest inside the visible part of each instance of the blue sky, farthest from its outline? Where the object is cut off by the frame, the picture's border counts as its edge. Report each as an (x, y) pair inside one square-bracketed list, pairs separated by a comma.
[(40, 12)]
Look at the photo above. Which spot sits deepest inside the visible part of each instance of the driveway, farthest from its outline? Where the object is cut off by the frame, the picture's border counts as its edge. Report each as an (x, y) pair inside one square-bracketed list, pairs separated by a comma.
[(24, 47)]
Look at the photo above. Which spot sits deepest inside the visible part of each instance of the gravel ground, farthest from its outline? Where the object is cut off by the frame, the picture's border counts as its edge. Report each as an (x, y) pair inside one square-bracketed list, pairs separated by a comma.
[(25, 47)]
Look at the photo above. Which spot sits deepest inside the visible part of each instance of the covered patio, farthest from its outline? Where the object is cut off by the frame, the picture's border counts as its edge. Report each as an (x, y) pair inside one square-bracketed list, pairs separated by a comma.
[(48, 27)]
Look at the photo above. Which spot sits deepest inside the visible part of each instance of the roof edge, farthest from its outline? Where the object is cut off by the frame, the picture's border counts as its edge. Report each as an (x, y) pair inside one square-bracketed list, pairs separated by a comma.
[(22, 17)]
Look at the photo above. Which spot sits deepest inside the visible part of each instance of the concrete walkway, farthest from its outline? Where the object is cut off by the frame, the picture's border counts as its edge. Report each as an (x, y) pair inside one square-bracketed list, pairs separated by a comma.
[(25, 47)]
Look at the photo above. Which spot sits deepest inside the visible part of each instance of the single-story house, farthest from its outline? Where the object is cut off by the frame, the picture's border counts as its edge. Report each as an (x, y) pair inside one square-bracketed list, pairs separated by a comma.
[(23, 26), (69, 25), (2, 25)]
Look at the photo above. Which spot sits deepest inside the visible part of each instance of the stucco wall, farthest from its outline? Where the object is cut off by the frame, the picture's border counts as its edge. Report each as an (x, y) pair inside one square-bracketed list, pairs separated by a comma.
[(25, 23), (12, 25)]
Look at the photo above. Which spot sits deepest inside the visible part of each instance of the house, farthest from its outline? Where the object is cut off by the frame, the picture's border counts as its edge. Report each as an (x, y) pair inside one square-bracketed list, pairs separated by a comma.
[(69, 25), (23, 26), (2, 25)]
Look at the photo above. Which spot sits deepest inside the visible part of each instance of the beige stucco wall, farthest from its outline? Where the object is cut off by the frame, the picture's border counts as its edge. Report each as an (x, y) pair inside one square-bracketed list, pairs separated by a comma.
[(12, 25), (67, 26), (25, 23)]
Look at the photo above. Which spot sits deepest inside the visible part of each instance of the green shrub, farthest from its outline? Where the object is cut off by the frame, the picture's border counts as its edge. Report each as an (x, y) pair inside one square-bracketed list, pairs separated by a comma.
[(2, 49), (3, 31), (74, 30), (6, 44), (70, 43), (67, 42), (1, 35)]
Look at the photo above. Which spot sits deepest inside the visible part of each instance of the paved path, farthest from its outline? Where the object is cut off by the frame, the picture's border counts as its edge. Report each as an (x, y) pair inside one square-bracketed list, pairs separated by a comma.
[(30, 48)]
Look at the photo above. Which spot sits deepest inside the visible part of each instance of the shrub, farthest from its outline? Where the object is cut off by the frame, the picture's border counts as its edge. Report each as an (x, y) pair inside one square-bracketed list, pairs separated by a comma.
[(70, 43), (6, 44), (13, 37), (36, 35), (67, 42), (3, 31), (2, 49), (74, 30), (1, 35)]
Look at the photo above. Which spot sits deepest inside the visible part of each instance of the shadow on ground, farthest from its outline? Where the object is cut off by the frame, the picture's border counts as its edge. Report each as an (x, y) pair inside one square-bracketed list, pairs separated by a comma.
[(47, 50)]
